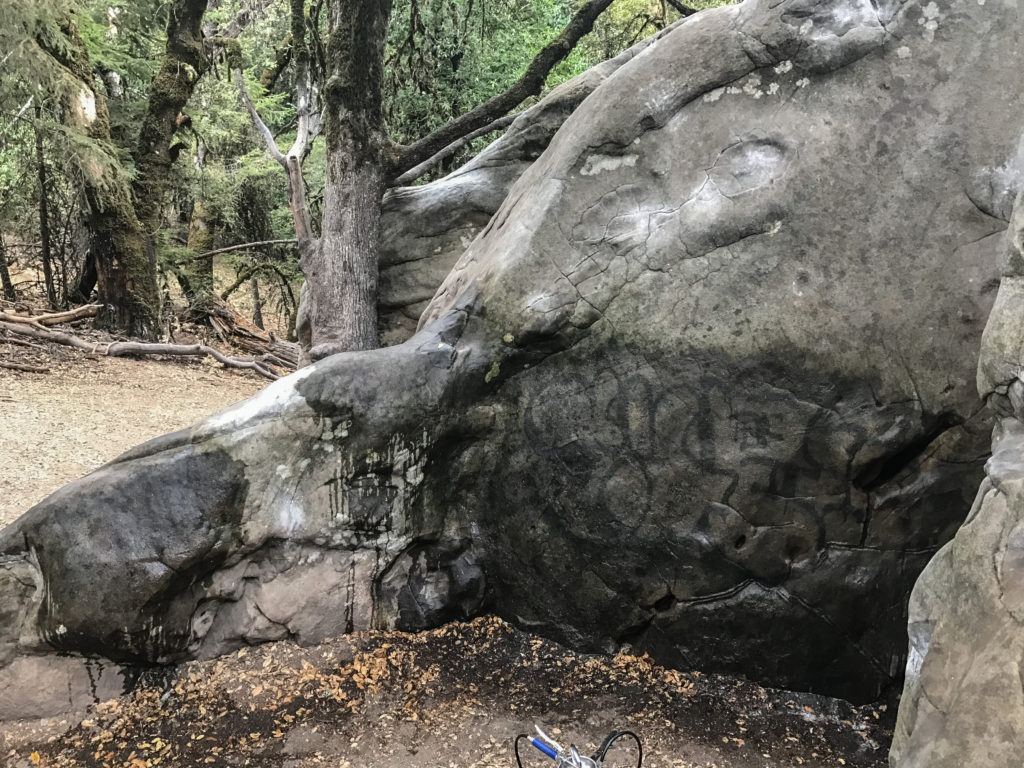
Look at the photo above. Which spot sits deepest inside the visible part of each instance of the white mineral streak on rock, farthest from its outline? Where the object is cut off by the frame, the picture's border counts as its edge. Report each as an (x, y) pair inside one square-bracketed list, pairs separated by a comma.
[(272, 401), (597, 163), (290, 516)]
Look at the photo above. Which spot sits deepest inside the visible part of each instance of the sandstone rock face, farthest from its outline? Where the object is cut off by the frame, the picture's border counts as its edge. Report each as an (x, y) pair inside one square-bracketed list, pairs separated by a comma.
[(425, 229), (963, 703), (702, 385)]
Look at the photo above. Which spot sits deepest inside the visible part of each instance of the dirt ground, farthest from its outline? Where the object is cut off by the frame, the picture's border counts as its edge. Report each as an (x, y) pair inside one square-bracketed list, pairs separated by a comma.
[(456, 696), (60, 425)]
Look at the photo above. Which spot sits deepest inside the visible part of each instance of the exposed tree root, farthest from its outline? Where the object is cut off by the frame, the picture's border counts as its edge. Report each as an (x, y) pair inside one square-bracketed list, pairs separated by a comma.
[(136, 349)]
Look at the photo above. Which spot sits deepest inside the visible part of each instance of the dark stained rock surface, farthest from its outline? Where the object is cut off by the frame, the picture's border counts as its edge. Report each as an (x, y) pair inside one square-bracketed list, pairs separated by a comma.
[(703, 385)]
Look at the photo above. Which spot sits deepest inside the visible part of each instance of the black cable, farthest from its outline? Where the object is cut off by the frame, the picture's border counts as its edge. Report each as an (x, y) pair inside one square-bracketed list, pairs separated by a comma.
[(519, 762), (614, 736)]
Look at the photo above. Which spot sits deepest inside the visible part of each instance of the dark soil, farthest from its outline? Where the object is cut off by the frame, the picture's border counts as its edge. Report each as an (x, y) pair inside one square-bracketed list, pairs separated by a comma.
[(452, 697)]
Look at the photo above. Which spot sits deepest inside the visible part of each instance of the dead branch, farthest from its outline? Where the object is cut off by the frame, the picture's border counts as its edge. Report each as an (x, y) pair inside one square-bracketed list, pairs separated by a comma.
[(411, 175), (245, 246), (257, 121), (529, 84), (23, 367), (137, 349), (55, 318), (233, 328), (682, 9)]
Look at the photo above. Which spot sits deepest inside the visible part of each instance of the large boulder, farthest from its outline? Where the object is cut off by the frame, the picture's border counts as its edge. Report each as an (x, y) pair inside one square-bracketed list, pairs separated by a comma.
[(963, 702), (424, 229), (702, 385)]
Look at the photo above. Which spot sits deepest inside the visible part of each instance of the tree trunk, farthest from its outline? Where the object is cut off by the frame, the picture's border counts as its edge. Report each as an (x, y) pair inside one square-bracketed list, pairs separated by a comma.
[(341, 269), (126, 290), (257, 302), (184, 63), (5, 274), (44, 217), (199, 272), (83, 289)]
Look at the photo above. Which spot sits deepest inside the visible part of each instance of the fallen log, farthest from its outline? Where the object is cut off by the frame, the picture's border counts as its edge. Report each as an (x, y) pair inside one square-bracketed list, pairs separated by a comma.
[(136, 348), (54, 318), (234, 329)]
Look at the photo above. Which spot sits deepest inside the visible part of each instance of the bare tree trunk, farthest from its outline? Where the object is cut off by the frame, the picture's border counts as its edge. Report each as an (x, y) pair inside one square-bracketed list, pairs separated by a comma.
[(257, 302), (341, 271), (5, 274), (44, 217)]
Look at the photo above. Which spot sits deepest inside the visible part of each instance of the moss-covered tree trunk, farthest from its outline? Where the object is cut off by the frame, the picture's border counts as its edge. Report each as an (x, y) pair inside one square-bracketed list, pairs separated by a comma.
[(197, 278), (124, 280), (5, 274), (185, 61), (341, 270)]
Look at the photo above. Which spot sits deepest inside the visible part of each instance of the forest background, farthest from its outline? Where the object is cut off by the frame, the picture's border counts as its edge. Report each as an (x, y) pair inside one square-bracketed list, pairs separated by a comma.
[(222, 188)]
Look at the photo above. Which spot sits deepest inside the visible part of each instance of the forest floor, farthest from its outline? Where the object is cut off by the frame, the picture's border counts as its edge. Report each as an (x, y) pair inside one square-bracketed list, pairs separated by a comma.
[(86, 410), (456, 696), (452, 697)]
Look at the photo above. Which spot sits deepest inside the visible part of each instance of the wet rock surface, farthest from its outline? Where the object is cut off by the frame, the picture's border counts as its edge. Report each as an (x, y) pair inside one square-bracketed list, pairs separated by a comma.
[(702, 386)]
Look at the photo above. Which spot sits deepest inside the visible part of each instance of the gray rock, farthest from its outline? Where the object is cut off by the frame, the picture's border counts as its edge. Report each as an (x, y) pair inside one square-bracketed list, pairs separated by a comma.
[(424, 229), (702, 385), (962, 702)]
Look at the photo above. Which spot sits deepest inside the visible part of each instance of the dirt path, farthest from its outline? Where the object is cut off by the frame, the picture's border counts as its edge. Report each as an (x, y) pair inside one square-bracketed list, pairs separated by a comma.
[(452, 697), (58, 426)]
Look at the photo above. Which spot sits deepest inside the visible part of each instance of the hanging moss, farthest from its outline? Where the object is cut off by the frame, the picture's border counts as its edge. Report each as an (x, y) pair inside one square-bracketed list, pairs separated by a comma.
[(231, 52)]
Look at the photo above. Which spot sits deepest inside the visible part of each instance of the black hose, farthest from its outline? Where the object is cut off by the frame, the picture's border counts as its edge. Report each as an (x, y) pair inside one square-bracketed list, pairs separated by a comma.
[(614, 736), (519, 761)]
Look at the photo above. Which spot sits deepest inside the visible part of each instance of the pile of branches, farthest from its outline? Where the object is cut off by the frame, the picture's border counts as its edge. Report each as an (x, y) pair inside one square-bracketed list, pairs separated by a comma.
[(269, 357)]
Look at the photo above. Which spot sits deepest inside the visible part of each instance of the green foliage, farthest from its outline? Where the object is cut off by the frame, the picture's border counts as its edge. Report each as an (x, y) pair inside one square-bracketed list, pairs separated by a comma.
[(447, 56), (444, 57)]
